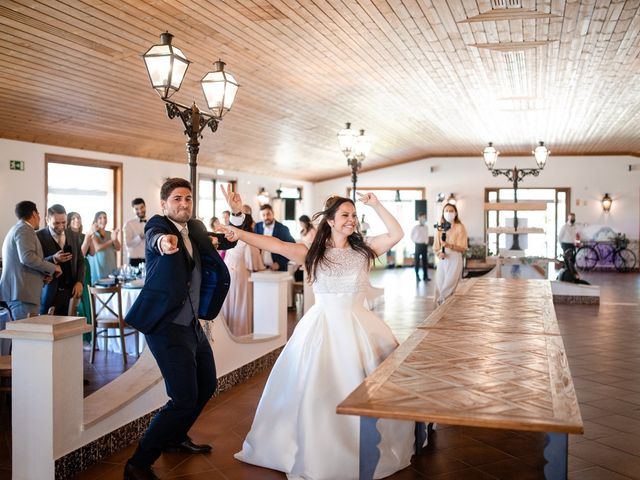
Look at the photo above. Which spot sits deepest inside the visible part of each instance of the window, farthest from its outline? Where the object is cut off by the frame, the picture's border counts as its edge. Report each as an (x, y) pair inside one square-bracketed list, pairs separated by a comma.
[(550, 220), (85, 186), (401, 202), (211, 201), (290, 197)]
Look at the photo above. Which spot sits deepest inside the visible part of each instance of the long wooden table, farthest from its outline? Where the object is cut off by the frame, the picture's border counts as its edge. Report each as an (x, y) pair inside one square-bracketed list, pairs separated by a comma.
[(491, 357)]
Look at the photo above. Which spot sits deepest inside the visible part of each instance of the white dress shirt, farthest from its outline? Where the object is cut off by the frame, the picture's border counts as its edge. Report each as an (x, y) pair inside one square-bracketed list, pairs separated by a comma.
[(567, 233), (134, 238), (420, 234)]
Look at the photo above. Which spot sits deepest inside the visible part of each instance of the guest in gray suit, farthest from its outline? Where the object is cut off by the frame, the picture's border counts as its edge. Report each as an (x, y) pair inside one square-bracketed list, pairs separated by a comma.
[(61, 246), (24, 269)]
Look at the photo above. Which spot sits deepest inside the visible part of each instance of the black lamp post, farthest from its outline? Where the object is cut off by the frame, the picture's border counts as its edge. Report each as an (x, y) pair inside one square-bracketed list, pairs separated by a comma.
[(167, 66), (355, 148), (515, 175)]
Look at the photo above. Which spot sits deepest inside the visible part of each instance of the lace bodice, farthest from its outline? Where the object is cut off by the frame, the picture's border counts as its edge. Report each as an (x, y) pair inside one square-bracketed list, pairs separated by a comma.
[(344, 271)]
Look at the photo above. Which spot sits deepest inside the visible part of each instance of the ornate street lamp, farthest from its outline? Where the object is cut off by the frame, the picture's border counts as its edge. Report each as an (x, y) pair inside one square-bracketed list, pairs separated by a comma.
[(167, 66), (515, 175), (355, 148)]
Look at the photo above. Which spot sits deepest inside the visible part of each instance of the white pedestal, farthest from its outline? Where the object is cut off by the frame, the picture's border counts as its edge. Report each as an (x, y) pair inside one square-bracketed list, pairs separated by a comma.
[(47, 403), (270, 302)]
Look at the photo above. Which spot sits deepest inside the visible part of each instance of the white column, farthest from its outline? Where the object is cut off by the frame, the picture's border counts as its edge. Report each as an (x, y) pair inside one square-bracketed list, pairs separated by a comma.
[(46, 397), (270, 302)]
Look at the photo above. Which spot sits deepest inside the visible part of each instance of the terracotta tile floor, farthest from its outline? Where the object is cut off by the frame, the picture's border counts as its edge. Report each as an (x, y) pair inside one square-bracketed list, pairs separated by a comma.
[(603, 347)]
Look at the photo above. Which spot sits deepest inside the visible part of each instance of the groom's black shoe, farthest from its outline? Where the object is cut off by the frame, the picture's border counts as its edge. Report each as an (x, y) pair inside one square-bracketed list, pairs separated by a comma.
[(187, 447), (131, 472)]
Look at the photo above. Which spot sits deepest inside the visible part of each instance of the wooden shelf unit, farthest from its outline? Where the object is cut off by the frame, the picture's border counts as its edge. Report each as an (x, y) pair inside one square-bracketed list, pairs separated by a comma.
[(513, 206)]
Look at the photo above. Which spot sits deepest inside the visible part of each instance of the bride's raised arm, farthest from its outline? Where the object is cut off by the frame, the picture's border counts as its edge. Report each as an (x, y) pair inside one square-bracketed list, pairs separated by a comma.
[(293, 251), (382, 243)]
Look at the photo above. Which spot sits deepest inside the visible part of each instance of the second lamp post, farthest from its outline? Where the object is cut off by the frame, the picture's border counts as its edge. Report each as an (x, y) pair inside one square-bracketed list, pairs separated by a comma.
[(355, 147)]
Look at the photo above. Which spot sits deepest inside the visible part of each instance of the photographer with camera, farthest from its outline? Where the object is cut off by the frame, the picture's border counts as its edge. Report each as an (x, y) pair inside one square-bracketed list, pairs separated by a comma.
[(449, 244)]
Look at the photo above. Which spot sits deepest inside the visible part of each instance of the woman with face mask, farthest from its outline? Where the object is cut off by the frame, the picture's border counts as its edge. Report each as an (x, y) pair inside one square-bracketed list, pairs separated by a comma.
[(449, 252)]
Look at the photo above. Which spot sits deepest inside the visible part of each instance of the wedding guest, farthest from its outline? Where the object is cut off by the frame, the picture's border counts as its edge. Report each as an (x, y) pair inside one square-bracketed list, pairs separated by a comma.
[(105, 244), (272, 228), (62, 246), (333, 348), (24, 269), (307, 230), (134, 232), (420, 236), (74, 220), (449, 252), (241, 261), (225, 217), (214, 224)]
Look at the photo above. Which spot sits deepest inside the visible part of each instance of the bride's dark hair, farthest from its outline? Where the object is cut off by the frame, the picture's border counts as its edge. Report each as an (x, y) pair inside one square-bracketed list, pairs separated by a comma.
[(318, 249)]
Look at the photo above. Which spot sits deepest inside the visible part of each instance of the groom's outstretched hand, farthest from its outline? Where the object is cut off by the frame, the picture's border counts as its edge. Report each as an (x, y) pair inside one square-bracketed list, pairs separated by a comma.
[(233, 199)]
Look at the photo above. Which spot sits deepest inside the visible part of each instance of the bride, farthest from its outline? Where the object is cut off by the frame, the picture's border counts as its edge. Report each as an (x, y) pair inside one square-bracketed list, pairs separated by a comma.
[(334, 347)]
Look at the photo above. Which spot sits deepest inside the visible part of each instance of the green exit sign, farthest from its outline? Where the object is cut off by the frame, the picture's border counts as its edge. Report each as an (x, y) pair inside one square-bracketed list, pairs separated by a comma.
[(16, 165)]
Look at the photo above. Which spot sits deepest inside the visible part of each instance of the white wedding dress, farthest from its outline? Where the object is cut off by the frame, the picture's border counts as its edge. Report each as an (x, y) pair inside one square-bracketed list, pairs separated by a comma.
[(338, 343)]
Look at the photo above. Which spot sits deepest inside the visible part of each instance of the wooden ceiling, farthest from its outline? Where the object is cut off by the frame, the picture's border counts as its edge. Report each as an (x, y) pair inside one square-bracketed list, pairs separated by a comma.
[(424, 78)]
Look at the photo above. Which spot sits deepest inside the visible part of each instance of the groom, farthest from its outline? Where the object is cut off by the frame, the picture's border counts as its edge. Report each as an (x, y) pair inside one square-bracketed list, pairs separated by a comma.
[(186, 280)]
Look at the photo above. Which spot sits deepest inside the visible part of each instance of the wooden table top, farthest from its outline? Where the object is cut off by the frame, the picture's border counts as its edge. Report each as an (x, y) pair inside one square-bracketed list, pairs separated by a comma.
[(491, 376), (499, 305)]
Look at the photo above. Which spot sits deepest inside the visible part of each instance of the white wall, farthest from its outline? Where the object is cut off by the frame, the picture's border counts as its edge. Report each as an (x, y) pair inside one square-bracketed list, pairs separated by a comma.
[(141, 178), (588, 177)]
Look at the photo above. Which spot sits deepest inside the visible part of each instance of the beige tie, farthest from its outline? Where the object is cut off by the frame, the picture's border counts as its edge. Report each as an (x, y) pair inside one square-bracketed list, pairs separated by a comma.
[(187, 241)]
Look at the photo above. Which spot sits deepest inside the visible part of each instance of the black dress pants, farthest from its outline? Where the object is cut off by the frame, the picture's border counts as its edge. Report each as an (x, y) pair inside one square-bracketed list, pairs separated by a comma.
[(60, 302), (420, 258), (186, 361)]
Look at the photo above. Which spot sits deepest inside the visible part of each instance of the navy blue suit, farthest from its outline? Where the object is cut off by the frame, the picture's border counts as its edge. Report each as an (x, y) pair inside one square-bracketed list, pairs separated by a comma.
[(182, 351), (58, 292), (282, 232)]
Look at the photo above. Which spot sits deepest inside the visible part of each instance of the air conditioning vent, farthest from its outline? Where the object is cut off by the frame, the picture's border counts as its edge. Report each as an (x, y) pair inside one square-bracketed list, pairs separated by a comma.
[(502, 4)]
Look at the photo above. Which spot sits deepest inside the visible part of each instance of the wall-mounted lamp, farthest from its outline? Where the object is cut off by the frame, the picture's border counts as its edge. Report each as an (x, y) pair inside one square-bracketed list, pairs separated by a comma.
[(263, 196), (440, 198), (451, 199), (606, 203)]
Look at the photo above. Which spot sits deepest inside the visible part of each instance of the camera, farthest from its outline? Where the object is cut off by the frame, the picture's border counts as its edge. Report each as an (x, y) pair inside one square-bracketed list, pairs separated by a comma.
[(443, 227)]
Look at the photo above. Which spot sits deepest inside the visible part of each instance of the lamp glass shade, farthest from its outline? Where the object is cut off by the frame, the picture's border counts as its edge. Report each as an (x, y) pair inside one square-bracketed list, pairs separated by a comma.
[(451, 200), (490, 156), (606, 202), (219, 88), (346, 139), (541, 153), (361, 146), (166, 66)]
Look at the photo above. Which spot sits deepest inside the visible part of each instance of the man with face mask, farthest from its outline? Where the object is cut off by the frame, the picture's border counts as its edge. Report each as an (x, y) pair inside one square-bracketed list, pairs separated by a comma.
[(568, 234), (420, 236)]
